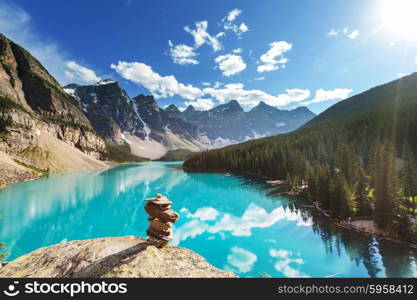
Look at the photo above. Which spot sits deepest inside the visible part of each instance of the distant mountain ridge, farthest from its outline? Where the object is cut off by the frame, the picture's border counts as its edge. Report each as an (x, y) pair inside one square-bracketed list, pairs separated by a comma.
[(152, 131), (230, 123)]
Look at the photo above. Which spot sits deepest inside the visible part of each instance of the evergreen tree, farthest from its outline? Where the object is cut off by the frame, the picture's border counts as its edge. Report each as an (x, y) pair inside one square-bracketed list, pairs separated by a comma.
[(347, 162), (323, 192), (409, 178), (342, 204), (385, 185), (312, 186), (362, 191)]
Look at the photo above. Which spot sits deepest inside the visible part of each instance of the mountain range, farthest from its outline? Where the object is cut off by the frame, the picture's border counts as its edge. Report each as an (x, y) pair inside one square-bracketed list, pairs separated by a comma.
[(45, 128), (229, 123), (151, 131)]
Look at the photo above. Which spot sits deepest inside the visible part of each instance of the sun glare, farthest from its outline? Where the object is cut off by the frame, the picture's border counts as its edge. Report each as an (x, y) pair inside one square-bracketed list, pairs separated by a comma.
[(400, 17)]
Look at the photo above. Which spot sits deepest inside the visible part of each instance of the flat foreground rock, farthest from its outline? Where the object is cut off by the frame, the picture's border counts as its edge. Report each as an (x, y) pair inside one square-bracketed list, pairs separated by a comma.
[(122, 257)]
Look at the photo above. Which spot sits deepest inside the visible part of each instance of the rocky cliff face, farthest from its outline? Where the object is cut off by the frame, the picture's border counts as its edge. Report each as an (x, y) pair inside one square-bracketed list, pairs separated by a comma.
[(159, 121), (115, 257), (109, 109), (144, 125), (32, 101), (139, 121), (228, 123)]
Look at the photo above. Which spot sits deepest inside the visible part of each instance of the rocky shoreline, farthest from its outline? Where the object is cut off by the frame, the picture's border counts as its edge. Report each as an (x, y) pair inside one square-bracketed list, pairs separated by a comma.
[(361, 226), (111, 257), (12, 172), (8, 177), (367, 227)]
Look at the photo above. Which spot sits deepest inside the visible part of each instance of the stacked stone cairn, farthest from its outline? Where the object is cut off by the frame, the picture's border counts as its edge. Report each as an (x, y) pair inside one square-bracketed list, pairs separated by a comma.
[(161, 217)]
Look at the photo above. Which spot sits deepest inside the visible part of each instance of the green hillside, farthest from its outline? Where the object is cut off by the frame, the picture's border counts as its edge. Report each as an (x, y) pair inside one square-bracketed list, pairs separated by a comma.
[(177, 155), (122, 153), (347, 157)]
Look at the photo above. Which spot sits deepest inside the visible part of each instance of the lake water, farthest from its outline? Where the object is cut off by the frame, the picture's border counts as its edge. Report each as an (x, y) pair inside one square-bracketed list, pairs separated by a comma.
[(238, 224)]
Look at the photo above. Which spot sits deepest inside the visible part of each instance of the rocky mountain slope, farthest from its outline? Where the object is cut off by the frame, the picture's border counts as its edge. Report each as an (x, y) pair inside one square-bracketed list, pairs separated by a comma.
[(138, 121), (229, 123), (35, 113), (152, 131), (122, 257)]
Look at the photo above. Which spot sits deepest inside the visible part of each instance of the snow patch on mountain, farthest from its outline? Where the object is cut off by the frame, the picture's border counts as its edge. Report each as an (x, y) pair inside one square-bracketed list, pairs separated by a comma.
[(70, 92), (146, 127), (125, 139), (105, 81)]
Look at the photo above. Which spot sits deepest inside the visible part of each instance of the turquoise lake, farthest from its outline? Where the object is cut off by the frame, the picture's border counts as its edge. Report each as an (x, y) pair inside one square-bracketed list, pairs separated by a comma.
[(237, 223)]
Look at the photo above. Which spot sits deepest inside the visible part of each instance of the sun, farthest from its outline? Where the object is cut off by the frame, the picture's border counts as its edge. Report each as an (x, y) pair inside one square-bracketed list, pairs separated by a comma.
[(400, 18)]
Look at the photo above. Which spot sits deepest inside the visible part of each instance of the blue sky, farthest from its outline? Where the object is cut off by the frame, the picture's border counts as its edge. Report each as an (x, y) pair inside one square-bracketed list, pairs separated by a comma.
[(286, 53)]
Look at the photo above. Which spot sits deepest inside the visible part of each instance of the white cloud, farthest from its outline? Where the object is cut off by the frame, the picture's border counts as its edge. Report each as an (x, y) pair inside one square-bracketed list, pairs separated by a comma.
[(185, 55), (79, 73), (220, 34), (204, 213), (243, 28), (159, 86), (293, 95), (233, 14), (353, 34), (326, 95), (217, 84), (15, 23), (236, 91), (260, 78), (402, 74), (190, 229), (285, 265), (201, 36), (228, 23), (332, 33), (205, 83), (230, 64), (201, 104), (279, 253), (237, 50), (182, 54), (253, 217), (345, 31), (274, 57), (241, 259), (168, 86)]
